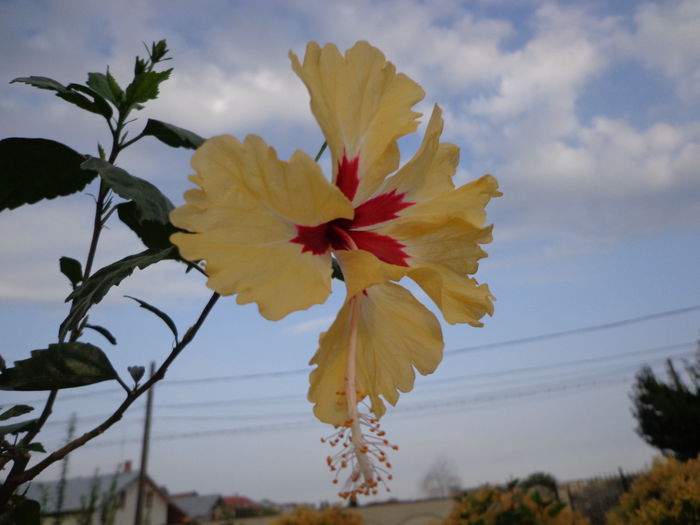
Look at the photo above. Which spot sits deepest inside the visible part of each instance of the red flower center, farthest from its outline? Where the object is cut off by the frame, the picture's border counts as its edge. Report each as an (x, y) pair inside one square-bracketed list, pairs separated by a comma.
[(344, 234)]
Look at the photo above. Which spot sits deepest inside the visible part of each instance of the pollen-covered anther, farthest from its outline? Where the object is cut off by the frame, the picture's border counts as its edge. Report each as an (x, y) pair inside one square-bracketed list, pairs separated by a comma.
[(363, 453)]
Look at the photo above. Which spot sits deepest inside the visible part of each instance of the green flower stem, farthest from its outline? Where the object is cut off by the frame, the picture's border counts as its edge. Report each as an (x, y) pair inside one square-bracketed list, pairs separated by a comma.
[(96, 230), (102, 195), (19, 475), (320, 152)]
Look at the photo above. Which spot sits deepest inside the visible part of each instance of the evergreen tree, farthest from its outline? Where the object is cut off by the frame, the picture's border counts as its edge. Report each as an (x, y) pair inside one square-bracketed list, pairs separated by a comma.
[(668, 413)]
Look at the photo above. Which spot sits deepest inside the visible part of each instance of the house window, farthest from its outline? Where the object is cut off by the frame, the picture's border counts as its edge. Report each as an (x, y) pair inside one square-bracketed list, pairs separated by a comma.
[(149, 499)]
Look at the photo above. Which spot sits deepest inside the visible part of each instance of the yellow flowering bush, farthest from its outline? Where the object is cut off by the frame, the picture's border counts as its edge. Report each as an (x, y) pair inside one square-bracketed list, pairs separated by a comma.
[(328, 516), (511, 506), (668, 494)]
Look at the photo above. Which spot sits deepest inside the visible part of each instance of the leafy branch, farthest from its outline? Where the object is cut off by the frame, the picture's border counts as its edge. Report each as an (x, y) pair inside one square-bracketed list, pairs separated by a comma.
[(32, 170), (15, 481)]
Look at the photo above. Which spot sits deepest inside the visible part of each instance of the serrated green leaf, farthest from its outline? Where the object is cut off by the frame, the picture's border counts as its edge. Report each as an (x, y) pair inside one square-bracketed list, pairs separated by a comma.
[(80, 101), (36, 169), (61, 365), (144, 87), (153, 234), (101, 105), (172, 135), (63, 92), (41, 83), (14, 428), (71, 269), (96, 287), (106, 86), (102, 331), (139, 66), (152, 205), (114, 87), (15, 411), (166, 319)]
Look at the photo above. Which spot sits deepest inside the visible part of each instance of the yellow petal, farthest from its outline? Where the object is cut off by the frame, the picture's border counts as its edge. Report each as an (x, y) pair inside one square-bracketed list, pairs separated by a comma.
[(242, 220), (279, 278), (431, 169), (362, 105), (362, 269), (453, 243), (468, 202), (396, 334), (252, 176), (460, 299)]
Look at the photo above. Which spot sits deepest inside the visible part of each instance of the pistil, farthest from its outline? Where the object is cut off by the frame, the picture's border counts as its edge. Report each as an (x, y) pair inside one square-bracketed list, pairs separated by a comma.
[(356, 436)]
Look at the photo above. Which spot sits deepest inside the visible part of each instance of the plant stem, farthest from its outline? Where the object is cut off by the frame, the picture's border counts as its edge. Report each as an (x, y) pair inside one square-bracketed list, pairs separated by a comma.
[(99, 205), (96, 230), (130, 142), (320, 152), (98, 222)]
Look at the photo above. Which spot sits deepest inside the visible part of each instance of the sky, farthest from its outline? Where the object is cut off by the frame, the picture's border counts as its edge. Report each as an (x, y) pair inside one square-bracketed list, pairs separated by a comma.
[(588, 114)]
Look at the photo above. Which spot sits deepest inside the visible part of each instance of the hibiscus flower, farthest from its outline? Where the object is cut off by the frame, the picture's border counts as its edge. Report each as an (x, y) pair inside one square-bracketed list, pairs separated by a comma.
[(269, 231)]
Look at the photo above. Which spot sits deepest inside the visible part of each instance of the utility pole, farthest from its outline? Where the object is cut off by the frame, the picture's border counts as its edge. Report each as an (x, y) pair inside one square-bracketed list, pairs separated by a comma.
[(144, 451)]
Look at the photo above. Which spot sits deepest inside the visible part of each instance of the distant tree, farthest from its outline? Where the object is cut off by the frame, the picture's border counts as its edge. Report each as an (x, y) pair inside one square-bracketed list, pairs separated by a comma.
[(441, 481), (541, 479), (668, 414), (109, 502), (88, 503)]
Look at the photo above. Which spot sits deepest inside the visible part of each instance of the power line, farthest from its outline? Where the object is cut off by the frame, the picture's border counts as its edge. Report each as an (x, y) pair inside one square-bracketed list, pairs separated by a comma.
[(225, 402), (474, 348), (564, 363), (432, 407), (512, 371), (561, 382), (588, 375), (574, 331), (585, 375), (468, 349), (560, 375)]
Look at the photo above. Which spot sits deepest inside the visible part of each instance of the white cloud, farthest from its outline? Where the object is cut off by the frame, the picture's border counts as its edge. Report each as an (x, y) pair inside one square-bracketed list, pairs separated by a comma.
[(210, 100), (666, 38), (571, 179), (39, 235), (512, 108), (438, 43), (546, 74)]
